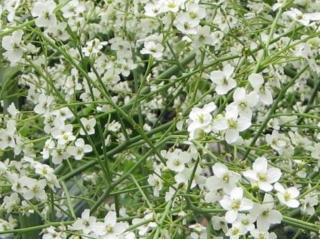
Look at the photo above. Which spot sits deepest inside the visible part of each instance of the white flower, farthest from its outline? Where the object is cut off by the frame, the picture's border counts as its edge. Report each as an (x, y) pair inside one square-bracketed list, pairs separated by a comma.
[(287, 196), (73, 8), (309, 202), (223, 80), (257, 234), (63, 133), (279, 142), (89, 125), (114, 126), (110, 228), (219, 223), (44, 103), (12, 110), (7, 137), (86, 223), (79, 149), (234, 203), (144, 229), (264, 213), (204, 36), (33, 188), (153, 48), (246, 222), (200, 120), (47, 172), (305, 19), (235, 231), (10, 202), (185, 24), (93, 47), (170, 5), (52, 233), (243, 102), (263, 91), (262, 174), (177, 159), (231, 125), (43, 12), (223, 178), (156, 182), (13, 46)]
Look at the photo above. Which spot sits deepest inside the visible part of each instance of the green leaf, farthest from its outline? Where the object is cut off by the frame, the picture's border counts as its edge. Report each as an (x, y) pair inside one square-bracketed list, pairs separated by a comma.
[(30, 221)]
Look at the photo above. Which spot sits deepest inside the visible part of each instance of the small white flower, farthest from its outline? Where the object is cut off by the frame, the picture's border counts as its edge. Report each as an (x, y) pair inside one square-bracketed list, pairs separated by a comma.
[(33, 189), (110, 228), (223, 80), (89, 125), (13, 46), (257, 234), (243, 103), (86, 223), (262, 174), (153, 46), (44, 103), (170, 5), (177, 159), (264, 213), (306, 19), (52, 233), (156, 182), (43, 12), (231, 125), (263, 91), (63, 134), (79, 149), (223, 178), (235, 231), (93, 47), (234, 203), (200, 120), (309, 202), (185, 24), (287, 196)]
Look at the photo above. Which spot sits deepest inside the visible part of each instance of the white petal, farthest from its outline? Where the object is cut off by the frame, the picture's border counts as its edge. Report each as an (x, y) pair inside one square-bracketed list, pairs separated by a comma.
[(228, 70), (231, 216), (278, 187), (256, 80), (294, 192), (216, 76), (267, 187), (225, 203), (260, 164), (293, 203), (276, 216), (236, 193), (246, 204), (111, 218), (219, 169), (274, 174), (243, 123), (213, 183), (239, 94), (231, 136), (210, 107)]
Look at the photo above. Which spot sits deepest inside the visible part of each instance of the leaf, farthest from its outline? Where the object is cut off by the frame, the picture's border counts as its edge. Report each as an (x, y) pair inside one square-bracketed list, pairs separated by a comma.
[(8, 86), (30, 221)]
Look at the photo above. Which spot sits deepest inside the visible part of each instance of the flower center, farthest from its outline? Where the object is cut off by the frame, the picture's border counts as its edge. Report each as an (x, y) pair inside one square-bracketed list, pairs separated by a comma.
[(287, 196), (262, 176), (235, 204)]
